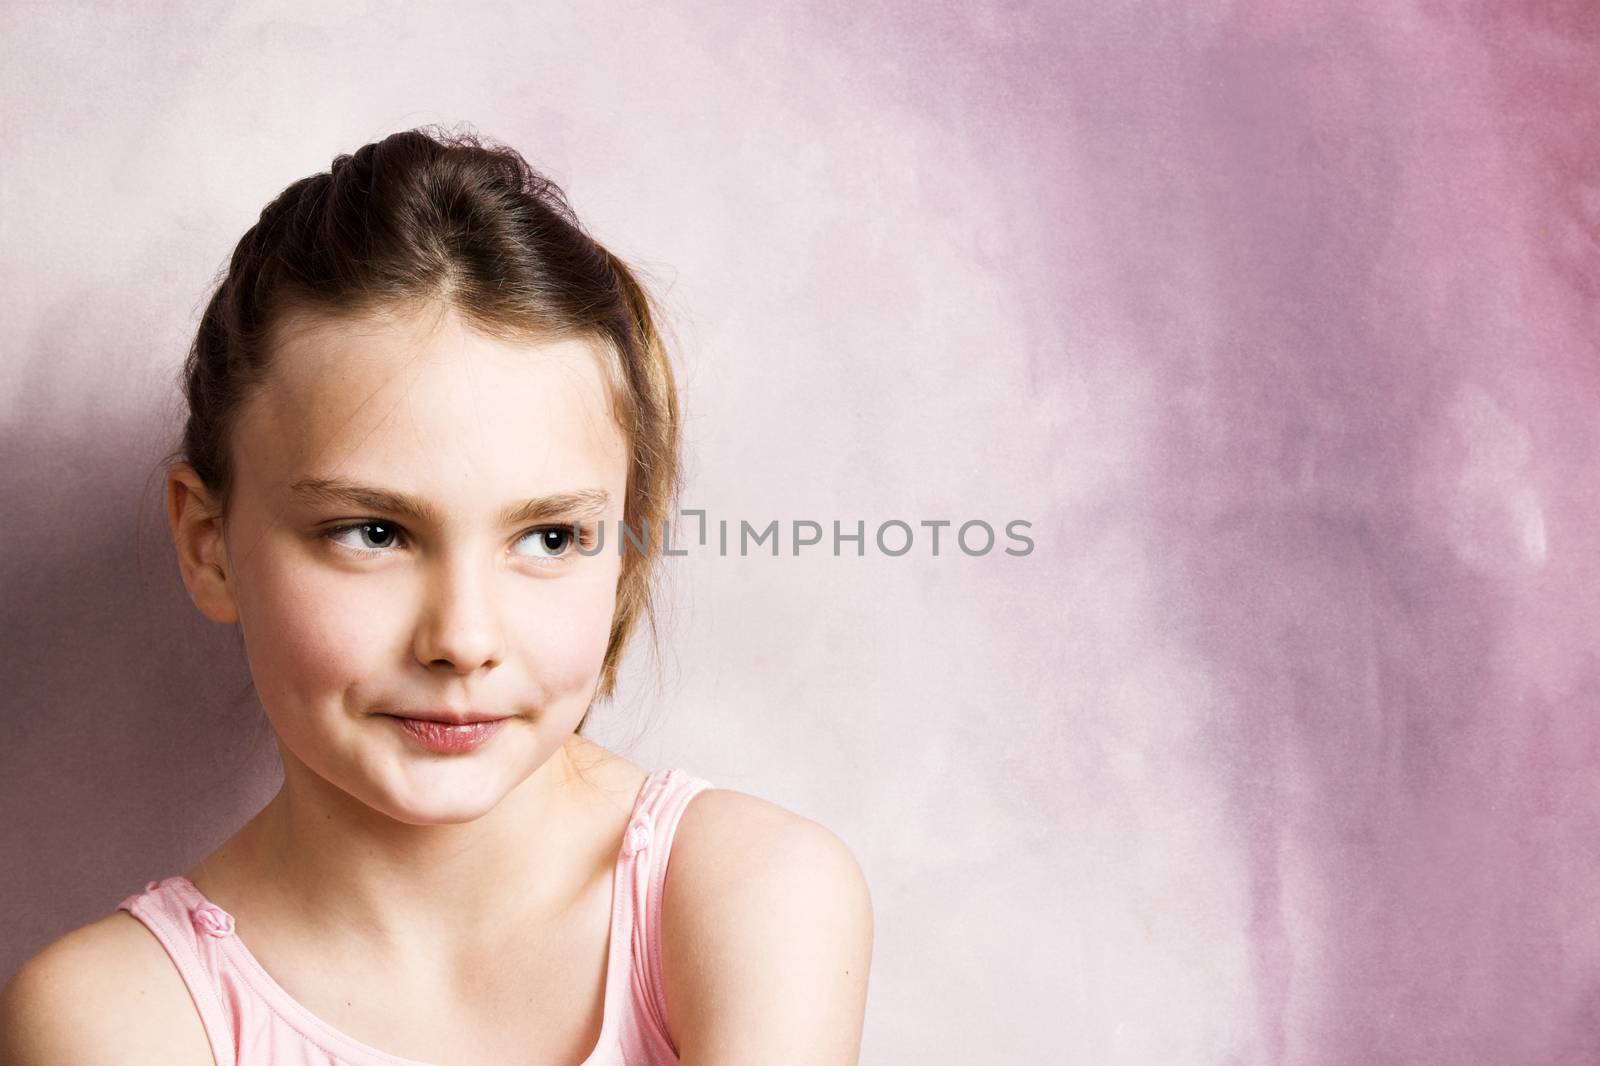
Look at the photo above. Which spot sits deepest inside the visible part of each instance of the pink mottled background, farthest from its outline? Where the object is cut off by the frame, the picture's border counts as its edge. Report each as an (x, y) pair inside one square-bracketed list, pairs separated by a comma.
[(1277, 320)]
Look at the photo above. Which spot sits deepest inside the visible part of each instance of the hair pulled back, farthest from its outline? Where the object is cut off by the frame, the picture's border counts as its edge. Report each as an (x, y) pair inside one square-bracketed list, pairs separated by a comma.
[(428, 215)]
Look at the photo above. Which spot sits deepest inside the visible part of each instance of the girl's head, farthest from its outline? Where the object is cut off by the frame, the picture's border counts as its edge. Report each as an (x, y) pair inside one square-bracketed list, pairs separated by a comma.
[(418, 374)]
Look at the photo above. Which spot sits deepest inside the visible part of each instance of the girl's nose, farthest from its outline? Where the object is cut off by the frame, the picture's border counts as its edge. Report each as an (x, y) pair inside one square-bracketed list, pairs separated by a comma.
[(460, 626)]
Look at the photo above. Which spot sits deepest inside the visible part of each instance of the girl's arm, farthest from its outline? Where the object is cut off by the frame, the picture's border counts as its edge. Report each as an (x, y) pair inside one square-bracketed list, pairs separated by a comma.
[(766, 937)]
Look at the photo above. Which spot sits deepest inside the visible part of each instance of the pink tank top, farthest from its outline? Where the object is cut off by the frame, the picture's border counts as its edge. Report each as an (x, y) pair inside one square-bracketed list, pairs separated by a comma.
[(251, 1021)]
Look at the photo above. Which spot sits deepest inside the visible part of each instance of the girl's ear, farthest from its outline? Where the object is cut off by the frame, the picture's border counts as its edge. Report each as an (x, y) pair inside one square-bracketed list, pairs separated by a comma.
[(197, 534)]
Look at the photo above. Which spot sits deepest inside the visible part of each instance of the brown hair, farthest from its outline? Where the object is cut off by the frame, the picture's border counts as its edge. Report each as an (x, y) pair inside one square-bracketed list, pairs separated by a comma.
[(429, 215)]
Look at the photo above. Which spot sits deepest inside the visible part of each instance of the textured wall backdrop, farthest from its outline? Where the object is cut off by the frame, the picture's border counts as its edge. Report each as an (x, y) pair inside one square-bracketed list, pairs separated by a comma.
[(1276, 320)]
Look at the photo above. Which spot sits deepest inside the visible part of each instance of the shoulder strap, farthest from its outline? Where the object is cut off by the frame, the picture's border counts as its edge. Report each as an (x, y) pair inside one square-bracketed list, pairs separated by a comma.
[(661, 805), (185, 930)]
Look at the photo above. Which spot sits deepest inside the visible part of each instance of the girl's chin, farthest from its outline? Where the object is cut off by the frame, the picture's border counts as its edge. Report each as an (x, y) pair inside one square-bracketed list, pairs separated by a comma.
[(419, 803)]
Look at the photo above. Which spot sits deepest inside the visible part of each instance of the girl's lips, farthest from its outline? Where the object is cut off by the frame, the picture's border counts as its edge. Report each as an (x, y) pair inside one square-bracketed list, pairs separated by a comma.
[(446, 739)]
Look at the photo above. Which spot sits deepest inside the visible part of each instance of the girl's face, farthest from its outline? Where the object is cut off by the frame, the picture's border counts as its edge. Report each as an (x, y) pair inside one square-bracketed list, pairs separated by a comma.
[(377, 563)]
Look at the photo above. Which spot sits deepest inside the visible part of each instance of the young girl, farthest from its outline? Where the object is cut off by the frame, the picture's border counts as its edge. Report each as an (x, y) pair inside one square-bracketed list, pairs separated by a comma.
[(423, 403)]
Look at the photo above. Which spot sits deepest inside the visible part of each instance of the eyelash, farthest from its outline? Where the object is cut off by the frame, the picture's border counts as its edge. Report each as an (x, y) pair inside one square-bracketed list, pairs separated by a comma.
[(585, 538)]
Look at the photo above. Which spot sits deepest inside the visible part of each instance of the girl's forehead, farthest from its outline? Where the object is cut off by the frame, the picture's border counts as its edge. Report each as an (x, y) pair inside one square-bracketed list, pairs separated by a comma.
[(424, 395), (396, 345)]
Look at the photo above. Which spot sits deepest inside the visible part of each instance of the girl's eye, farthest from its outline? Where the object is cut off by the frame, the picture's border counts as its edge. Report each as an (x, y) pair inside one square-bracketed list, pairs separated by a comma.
[(389, 530), (377, 537), (552, 539)]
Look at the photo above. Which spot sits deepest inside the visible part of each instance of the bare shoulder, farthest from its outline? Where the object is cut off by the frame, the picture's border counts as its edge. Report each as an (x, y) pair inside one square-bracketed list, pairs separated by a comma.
[(103, 993), (766, 936)]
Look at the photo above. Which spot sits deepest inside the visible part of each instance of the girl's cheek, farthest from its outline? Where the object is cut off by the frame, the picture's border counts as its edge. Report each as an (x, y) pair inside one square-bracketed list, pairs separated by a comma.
[(316, 643), (309, 628), (565, 634)]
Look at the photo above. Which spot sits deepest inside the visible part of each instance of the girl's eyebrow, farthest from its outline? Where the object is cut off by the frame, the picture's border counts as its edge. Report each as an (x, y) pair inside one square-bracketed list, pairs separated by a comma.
[(581, 503)]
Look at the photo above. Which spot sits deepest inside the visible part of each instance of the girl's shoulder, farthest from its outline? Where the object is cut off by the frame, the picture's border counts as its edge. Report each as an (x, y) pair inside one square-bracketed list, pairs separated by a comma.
[(725, 837), (141, 1009), (757, 897)]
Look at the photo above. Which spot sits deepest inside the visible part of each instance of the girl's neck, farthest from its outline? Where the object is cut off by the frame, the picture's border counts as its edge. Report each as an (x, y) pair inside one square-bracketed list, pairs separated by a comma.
[(319, 861)]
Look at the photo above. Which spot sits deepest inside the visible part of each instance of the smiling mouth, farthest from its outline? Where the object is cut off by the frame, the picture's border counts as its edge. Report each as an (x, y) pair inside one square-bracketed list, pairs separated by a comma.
[(447, 717), (448, 738)]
